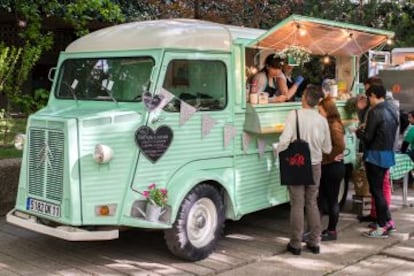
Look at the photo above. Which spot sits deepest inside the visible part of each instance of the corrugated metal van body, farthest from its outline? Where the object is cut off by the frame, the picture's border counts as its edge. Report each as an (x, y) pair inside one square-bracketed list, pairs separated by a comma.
[(59, 164), (48, 173)]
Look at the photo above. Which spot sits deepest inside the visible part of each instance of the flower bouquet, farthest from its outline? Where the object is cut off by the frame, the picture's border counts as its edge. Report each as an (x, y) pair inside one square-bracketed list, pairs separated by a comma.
[(300, 55), (156, 196), (156, 203)]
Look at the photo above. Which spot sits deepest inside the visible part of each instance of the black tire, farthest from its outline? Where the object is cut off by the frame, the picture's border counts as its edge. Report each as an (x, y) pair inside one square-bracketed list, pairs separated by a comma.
[(199, 224), (343, 190)]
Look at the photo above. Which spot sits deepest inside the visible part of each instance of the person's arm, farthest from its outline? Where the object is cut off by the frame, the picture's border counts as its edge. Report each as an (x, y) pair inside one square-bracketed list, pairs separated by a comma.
[(408, 139), (370, 128), (404, 146), (278, 99), (327, 143), (283, 88), (337, 137), (289, 132)]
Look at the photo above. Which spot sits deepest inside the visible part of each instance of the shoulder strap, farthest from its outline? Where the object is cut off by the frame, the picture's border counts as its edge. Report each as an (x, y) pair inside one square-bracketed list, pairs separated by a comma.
[(297, 125)]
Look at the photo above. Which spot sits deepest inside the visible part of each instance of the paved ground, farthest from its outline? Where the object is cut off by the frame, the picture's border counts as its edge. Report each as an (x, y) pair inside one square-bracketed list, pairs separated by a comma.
[(254, 245)]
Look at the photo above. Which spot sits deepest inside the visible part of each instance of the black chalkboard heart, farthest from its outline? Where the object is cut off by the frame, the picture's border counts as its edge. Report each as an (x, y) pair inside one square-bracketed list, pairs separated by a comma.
[(153, 144), (150, 102)]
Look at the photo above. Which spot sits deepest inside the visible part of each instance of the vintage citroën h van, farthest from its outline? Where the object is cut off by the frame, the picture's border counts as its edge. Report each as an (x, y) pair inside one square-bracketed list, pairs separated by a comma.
[(164, 102)]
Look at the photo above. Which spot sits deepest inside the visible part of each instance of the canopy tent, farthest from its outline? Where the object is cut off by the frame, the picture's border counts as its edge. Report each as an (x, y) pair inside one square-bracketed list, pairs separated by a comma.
[(322, 37)]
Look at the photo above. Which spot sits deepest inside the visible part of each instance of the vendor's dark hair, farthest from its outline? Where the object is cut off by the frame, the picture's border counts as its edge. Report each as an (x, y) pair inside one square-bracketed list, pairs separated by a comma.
[(378, 90), (274, 61), (313, 94)]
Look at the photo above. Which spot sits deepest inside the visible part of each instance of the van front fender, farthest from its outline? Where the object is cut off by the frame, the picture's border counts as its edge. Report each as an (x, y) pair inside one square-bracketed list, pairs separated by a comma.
[(190, 175)]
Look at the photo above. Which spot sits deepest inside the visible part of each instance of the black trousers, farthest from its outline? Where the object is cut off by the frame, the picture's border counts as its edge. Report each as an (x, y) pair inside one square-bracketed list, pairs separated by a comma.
[(375, 176), (331, 177)]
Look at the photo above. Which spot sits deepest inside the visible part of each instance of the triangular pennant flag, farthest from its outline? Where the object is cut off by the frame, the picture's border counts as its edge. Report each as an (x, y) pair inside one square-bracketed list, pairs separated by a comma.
[(246, 141), (261, 144), (186, 112), (167, 96), (207, 124), (229, 133)]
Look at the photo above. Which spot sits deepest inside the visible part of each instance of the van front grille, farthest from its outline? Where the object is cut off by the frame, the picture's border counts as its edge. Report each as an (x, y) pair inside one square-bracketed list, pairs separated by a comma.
[(45, 163)]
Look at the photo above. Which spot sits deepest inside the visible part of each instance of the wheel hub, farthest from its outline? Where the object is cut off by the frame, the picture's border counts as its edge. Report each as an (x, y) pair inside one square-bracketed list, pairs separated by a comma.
[(200, 221)]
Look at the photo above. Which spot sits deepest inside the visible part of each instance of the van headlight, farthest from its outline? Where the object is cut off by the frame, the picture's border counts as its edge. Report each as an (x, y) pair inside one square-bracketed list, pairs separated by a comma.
[(19, 140), (102, 154)]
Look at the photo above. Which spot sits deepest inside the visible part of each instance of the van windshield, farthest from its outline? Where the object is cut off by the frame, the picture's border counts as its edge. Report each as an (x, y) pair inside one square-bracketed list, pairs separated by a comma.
[(105, 79)]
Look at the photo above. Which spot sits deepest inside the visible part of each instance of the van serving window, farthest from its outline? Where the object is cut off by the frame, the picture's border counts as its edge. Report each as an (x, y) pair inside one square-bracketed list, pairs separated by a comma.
[(104, 79), (199, 83)]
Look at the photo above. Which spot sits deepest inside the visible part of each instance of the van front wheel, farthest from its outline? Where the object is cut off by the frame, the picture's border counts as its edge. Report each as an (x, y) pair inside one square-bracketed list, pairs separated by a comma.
[(199, 224)]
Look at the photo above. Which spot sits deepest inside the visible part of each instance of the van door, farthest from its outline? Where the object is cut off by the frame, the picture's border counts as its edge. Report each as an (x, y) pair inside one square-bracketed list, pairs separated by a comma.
[(199, 115)]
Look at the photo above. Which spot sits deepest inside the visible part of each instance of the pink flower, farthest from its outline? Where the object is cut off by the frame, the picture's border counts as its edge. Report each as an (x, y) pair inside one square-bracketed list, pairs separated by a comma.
[(163, 191), (145, 194), (152, 186)]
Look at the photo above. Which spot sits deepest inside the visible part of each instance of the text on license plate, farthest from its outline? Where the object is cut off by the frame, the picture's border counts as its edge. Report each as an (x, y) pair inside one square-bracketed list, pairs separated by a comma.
[(42, 207)]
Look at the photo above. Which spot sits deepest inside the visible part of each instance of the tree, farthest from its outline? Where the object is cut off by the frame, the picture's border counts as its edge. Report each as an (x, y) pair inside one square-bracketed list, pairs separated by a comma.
[(30, 17)]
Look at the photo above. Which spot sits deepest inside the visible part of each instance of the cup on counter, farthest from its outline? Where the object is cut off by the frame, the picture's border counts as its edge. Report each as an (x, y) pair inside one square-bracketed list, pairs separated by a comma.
[(254, 98)]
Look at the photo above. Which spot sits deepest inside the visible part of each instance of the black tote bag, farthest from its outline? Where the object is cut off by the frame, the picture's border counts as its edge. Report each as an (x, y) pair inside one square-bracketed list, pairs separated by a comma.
[(295, 162)]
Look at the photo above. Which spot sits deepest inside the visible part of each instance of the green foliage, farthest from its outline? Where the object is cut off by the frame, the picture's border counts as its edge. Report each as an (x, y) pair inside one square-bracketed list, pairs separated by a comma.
[(9, 127), (350, 106), (17, 63), (80, 13), (8, 59), (30, 104)]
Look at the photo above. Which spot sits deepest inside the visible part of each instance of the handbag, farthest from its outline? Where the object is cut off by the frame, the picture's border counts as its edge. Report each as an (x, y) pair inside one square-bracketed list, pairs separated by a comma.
[(295, 162)]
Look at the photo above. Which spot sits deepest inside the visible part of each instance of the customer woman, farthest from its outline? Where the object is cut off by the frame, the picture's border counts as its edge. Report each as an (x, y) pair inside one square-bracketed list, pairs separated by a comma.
[(333, 169)]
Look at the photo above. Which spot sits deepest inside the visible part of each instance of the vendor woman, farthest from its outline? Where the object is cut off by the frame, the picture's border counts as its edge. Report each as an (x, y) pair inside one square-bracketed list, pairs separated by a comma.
[(272, 81)]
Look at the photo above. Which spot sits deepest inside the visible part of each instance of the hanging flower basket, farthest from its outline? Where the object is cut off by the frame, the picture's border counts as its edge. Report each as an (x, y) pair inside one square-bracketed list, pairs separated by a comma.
[(296, 55)]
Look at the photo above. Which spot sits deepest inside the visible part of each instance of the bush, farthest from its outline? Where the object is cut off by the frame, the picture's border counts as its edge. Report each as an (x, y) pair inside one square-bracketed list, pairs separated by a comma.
[(9, 127)]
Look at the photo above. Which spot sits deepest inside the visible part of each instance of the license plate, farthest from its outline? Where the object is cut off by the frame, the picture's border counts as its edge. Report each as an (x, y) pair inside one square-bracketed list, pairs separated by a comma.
[(43, 207)]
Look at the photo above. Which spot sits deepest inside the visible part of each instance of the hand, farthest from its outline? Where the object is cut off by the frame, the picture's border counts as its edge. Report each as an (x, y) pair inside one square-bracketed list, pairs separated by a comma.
[(339, 157), (299, 79), (360, 132), (281, 99)]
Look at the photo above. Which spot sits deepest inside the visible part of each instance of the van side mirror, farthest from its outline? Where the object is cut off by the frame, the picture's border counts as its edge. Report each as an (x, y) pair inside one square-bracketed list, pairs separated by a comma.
[(51, 74)]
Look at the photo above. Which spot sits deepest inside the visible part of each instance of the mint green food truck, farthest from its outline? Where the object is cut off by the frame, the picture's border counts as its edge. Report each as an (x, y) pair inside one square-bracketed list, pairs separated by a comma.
[(163, 104)]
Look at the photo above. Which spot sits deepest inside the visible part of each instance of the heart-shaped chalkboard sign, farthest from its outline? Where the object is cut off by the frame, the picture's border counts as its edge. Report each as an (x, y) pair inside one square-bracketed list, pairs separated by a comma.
[(153, 144), (150, 102)]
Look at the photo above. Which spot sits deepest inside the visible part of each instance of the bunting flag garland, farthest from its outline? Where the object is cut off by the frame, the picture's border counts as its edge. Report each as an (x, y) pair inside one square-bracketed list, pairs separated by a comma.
[(261, 144), (167, 96), (246, 141), (229, 133), (186, 112), (207, 125)]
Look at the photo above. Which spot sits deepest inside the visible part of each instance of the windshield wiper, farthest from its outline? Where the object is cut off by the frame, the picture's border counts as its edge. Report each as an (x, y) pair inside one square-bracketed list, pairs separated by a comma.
[(108, 90)]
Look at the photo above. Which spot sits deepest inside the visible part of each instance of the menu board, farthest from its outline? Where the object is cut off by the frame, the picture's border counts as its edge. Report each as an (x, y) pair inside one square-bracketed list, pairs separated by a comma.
[(153, 144)]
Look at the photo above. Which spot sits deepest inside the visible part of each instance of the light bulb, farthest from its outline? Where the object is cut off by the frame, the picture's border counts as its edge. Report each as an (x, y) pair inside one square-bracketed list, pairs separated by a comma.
[(301, 30)]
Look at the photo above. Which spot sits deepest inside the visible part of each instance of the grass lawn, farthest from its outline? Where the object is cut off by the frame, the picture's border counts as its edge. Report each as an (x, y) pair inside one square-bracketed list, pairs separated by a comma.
[(9, 129)]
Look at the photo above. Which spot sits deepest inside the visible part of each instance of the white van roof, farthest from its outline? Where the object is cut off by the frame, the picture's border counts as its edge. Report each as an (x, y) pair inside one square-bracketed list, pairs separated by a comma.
[(172, 33)]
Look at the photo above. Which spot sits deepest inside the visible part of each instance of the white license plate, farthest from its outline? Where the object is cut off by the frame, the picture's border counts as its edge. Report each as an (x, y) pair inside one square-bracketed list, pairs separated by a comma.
[(43, 207)]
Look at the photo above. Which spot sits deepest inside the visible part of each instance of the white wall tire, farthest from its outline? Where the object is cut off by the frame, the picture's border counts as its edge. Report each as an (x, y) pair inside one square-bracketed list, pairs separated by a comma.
[(199, 224)]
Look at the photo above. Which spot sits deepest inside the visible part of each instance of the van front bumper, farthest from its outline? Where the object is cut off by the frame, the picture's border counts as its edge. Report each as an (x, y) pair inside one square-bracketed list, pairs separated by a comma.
[(64, 232)]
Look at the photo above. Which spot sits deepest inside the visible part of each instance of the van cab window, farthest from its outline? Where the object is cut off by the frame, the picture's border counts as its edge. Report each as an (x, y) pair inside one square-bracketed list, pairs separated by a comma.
[(104, 79), (199, 83)]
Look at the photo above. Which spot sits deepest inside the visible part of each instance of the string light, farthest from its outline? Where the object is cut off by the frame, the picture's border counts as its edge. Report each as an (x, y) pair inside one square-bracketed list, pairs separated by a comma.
[(326, 59), (302, 31), (389, 41)]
